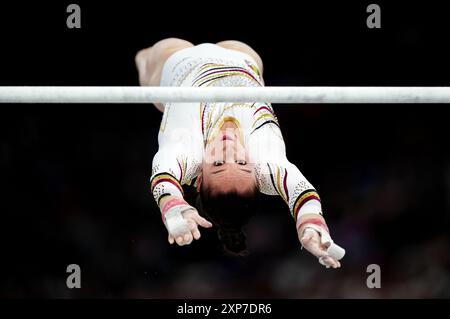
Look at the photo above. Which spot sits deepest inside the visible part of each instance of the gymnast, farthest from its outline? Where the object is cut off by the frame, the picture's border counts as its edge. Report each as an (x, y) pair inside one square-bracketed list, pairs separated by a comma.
[(229, 152)]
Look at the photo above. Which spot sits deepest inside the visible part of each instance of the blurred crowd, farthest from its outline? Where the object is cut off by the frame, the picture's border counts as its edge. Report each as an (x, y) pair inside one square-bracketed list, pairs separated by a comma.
[(79, 193)]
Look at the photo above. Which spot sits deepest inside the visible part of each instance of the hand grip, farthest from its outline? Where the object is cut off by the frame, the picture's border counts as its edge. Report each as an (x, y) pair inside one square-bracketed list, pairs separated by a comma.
[(176, 224), (336, 251)]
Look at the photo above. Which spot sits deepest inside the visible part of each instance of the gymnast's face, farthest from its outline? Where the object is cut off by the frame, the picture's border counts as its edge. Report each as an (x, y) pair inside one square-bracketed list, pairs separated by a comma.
[(226, 165)]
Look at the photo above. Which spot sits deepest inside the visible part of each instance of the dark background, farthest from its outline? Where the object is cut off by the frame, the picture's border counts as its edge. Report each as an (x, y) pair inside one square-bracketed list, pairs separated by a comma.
[(75, 178)]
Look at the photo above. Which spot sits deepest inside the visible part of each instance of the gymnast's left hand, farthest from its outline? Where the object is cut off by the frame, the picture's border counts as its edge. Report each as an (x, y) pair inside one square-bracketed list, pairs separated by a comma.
[(317, 241)]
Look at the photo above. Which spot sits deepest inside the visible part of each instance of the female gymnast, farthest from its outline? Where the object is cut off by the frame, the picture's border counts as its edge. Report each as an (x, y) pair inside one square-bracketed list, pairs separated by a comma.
[(228, 151)]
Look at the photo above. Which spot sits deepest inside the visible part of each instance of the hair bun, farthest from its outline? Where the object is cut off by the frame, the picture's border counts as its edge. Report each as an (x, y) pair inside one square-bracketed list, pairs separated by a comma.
[(234, 240)]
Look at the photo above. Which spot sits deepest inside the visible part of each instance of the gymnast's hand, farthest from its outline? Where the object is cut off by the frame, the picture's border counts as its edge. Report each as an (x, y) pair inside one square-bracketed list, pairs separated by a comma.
[(182, 221), (316, 239), (193, 219)]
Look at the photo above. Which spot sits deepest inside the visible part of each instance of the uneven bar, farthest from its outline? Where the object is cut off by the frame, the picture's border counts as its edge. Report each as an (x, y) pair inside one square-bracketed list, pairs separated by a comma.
[(269, 94)]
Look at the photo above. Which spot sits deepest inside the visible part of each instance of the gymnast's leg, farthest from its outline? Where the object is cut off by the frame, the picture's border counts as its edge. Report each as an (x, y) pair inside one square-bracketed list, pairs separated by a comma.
[(150, 61)]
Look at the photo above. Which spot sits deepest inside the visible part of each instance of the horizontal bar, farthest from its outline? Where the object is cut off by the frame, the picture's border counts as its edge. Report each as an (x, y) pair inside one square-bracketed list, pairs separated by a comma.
[(306, 94)]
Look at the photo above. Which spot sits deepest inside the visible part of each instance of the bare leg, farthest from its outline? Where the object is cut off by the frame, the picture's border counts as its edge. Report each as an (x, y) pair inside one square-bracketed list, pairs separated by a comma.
[(150, 61)]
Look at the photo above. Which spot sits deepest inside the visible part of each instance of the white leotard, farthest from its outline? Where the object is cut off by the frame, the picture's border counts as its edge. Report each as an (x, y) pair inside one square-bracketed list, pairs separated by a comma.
[(186, 128)]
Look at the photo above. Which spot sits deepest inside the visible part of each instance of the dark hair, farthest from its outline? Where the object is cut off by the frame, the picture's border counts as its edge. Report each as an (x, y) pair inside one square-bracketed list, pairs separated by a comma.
[(229, 212)]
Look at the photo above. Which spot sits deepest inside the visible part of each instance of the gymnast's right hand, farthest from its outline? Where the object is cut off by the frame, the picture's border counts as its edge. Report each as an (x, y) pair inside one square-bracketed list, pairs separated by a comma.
[(181, 221)]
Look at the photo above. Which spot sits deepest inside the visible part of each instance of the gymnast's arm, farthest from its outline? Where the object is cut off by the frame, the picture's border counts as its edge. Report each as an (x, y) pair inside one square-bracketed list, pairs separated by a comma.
[(306, 209), (276, 175), (174, 165)]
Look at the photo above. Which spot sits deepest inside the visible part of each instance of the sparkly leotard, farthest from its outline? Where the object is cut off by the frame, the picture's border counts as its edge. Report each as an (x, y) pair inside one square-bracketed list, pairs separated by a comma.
[(187, 128)]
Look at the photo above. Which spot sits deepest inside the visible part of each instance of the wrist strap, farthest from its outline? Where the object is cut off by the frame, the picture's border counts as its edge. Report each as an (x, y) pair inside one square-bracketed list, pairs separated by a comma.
[(314, 221), (172, 203)]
